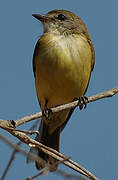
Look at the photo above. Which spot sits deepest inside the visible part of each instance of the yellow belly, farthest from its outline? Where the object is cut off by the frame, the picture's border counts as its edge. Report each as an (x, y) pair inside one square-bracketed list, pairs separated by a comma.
[(63, 68)]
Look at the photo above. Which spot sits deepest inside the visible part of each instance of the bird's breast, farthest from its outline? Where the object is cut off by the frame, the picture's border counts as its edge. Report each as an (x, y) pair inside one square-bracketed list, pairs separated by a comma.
[(63, 68)]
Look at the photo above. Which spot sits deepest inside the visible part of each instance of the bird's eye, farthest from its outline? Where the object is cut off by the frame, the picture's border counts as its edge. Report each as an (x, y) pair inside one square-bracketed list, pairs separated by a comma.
[(61, 17)]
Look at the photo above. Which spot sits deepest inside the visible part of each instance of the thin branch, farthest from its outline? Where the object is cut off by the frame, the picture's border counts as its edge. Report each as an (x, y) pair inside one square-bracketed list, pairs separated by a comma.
[(53, 153), (68, 175), (10, 162), (29, 132), (37, 175), (18, 148), (46, 170), (10, 127), (14, 153), (60, 172), (36, 158), (93, 98), (18, 122)]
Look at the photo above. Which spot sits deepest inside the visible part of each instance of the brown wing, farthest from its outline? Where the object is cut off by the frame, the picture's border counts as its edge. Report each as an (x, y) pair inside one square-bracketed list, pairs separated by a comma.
[(93, 54), (82, 29), (34, 55)]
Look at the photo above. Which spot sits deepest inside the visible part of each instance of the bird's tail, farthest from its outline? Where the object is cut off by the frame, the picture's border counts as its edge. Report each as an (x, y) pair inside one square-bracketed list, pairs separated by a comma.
[(50, 140), (50, 136)]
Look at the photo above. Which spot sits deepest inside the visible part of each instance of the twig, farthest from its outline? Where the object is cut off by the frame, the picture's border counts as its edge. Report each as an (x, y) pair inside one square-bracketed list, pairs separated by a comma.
[(10, 127), (37, 175), (46, 170), (25, 131), (93, 98), (53, 153), (14, 153), (10, 162), (68, 175), (25, 119), (17, 148)]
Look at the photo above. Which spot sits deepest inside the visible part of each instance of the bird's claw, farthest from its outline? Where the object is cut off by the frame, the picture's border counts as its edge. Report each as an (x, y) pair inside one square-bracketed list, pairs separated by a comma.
[(13, 123), (47, 112), (82, 102)]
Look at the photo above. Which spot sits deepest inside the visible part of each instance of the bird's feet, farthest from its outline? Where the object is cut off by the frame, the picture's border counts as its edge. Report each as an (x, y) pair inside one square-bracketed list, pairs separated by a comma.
[(82, 102), (12, 123), (46, 111)]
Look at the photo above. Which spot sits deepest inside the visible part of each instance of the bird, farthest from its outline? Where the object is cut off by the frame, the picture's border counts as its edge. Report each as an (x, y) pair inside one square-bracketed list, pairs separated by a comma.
[(63, 60)]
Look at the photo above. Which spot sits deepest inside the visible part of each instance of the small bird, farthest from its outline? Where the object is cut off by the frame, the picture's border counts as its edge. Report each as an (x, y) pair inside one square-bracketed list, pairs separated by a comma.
[(62, 64)]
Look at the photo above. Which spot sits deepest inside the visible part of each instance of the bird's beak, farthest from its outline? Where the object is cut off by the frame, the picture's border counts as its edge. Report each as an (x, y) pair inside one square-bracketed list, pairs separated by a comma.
[(40, 17)]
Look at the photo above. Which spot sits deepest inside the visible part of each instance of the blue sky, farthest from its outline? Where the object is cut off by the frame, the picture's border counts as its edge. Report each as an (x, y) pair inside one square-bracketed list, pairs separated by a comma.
[(90, 137)]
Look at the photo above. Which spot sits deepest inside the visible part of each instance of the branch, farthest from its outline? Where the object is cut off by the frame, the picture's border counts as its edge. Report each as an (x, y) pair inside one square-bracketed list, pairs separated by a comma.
[(14, 153), (93, 98), (53, 153), (37, 175), (67, 175), (76, 103), (10, 127), (60, 172), (10, 162), (17, 148)]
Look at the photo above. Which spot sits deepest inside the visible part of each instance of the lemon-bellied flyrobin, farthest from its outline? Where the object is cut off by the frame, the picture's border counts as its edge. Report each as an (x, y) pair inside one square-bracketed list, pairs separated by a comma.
[(62, 63)]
